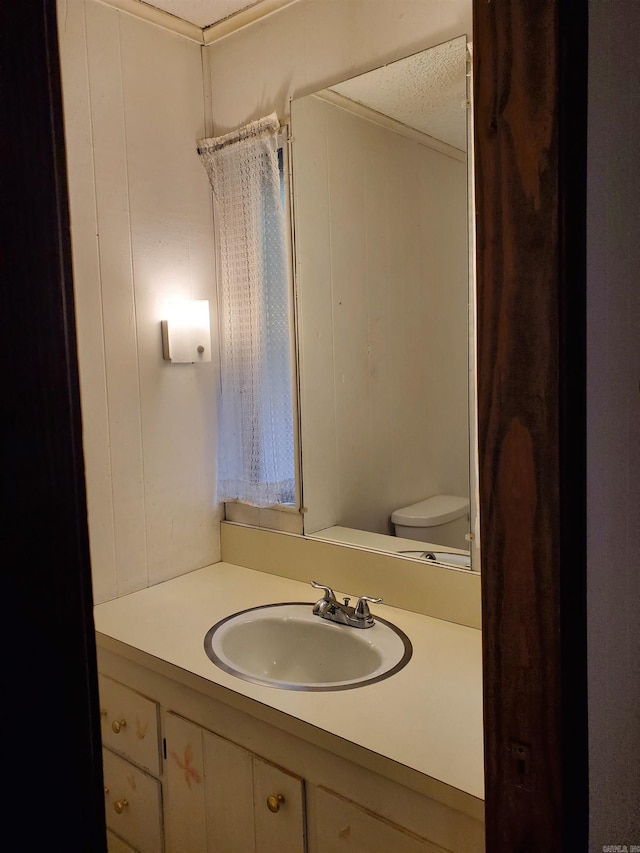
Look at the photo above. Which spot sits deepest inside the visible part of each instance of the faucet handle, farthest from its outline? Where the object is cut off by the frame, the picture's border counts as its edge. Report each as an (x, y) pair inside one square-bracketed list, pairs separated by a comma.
[(326, 602), (361, 609), (329, 594)]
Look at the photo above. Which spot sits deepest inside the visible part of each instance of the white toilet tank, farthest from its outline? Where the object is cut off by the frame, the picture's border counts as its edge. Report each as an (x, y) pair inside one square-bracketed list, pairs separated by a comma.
[(440, 519)]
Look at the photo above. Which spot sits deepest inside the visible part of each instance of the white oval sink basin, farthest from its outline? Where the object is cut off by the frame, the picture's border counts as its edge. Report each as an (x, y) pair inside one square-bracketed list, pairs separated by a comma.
[(286, 646)]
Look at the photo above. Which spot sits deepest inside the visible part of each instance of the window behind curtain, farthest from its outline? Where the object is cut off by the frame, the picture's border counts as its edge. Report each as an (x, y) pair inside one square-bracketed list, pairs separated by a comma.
[(256, 449)]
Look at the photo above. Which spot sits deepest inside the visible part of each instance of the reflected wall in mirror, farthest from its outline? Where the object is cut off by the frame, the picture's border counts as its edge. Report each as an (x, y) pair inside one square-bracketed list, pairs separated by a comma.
[(382, 274)]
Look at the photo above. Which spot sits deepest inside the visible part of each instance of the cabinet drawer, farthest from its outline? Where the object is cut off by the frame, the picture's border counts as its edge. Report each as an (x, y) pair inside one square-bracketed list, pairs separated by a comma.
[(129, 724), (133, 804)]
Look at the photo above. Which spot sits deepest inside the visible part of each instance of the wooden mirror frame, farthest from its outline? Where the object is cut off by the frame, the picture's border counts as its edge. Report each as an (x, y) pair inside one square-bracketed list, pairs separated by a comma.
[(530, 124)]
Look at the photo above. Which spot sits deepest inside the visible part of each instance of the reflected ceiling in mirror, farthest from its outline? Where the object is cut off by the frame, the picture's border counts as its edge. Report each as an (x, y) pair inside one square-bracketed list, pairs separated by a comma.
[(382, 279), (426, 91)]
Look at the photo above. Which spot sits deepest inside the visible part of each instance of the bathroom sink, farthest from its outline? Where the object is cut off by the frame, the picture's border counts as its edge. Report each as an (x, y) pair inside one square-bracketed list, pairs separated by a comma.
[(286, 646), (447, 558)]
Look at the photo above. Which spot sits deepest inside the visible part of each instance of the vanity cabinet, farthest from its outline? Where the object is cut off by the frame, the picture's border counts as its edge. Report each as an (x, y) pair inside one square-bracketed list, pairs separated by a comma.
[(206, 773), (221, 797)]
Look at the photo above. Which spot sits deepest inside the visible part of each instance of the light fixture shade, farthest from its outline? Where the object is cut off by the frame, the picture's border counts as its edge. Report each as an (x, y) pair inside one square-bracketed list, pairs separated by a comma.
[(186, 333)]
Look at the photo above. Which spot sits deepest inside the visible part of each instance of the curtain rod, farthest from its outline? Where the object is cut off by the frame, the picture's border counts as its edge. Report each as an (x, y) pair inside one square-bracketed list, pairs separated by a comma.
[(267, 126)]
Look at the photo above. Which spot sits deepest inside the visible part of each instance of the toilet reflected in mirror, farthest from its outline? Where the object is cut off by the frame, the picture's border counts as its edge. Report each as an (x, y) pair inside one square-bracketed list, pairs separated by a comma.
[(441, 520)]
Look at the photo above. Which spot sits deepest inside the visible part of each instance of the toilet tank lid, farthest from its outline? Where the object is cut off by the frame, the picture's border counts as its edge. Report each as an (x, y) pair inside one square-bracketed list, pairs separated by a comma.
[(438, 509)]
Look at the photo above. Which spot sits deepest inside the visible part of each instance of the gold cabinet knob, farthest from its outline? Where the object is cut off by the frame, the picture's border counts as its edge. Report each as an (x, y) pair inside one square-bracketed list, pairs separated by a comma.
[(274, 802), (120, 805), (116, 725)]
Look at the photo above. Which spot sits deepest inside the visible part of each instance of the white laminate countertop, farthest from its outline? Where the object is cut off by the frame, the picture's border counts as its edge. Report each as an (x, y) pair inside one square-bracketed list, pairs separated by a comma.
[(427, 717)]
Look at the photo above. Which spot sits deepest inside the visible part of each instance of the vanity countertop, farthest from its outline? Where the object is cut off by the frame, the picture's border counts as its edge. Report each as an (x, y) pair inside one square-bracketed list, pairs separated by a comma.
[(427, 717)]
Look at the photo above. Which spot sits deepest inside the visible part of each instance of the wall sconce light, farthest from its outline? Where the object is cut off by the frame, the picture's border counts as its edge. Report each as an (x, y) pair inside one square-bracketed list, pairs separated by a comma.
[(186, 333)]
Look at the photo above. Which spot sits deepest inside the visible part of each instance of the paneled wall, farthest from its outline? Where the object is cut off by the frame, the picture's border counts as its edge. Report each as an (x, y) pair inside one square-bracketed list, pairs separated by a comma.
[(315, 43), (381, 246), (141, 235)]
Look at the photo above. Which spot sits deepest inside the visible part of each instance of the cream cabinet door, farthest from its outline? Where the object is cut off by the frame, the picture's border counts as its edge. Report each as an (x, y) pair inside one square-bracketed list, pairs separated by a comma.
[(279, 809), (184, 787), (220, 798), (252, 806), (209, 791), (229, 796), (344, 827)]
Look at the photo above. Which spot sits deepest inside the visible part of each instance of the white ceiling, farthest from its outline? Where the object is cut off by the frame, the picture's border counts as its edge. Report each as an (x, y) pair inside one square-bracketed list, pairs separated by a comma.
[(203, 13)]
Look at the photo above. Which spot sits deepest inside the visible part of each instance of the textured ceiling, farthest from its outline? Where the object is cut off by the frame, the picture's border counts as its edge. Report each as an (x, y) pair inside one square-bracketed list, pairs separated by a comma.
[(426, 91), (202, 12)]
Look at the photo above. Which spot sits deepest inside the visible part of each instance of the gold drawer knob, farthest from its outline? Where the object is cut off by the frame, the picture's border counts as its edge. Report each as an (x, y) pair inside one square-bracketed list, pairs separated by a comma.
[(274, 802), (120, 805), (116, 725)]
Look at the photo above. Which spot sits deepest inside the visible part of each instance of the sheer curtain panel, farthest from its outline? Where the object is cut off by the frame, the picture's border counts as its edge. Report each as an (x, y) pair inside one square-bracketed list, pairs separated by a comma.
[(255, 434)]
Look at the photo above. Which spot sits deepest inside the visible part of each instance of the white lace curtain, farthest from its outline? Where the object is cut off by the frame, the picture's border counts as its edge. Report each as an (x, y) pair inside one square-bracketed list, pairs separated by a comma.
[(255, 428)]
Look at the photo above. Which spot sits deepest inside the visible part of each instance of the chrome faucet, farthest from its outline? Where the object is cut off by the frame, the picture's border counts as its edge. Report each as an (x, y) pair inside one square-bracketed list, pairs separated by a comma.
[(328, 607)]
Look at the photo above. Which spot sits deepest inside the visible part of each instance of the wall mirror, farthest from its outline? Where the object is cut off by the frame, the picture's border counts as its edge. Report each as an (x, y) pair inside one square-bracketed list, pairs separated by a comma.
[(385, 308)]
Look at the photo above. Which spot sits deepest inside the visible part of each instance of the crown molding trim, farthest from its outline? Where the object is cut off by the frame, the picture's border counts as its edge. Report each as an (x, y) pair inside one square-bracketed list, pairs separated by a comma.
[(208, 35), (243, 18)]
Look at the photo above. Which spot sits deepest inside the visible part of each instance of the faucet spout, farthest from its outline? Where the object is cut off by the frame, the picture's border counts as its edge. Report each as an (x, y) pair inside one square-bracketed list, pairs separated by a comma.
[(328, 607)]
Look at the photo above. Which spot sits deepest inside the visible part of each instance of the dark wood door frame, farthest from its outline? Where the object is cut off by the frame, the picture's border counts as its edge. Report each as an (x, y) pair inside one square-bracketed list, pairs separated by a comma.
[(530, 81), (530, 111), (51, 750)]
